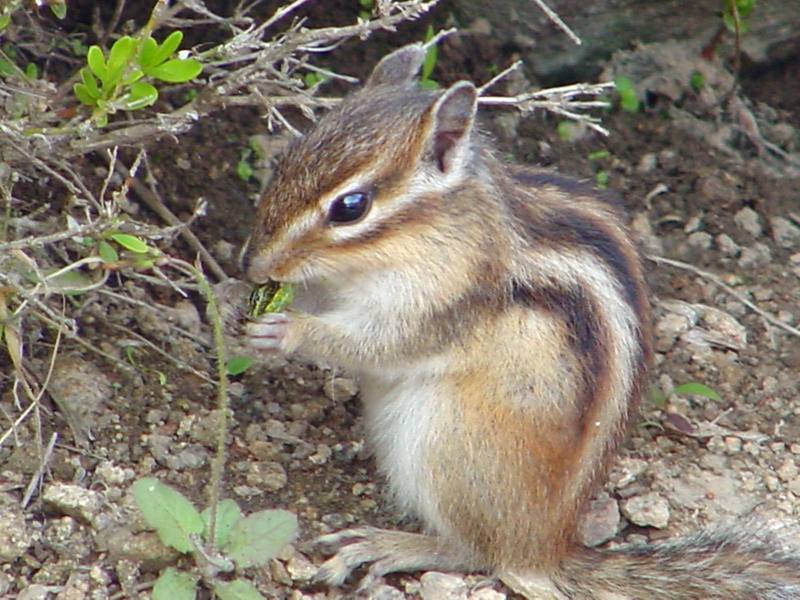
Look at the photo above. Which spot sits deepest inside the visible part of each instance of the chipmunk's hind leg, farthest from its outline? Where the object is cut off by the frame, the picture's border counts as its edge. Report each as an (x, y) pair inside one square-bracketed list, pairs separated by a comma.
[(388, 551)]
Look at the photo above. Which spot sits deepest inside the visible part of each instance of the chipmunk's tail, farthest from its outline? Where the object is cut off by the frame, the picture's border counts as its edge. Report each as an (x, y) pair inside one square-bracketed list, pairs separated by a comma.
[(749, 562)]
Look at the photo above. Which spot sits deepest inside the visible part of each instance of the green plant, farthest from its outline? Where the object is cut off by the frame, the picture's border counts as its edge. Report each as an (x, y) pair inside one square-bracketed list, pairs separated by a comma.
[(691, 388), (365, 11), (429, 64), (238, 541), (121, 80), (697, 81), (735, 13), (628, 99)]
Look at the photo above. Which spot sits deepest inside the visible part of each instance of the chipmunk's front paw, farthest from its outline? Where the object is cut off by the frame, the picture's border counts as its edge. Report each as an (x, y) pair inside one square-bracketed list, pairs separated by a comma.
[(268, 332)]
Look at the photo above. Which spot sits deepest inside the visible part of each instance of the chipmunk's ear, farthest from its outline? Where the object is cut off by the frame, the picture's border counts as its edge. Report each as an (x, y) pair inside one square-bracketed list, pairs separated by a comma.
[(453, 115), (399, 67)]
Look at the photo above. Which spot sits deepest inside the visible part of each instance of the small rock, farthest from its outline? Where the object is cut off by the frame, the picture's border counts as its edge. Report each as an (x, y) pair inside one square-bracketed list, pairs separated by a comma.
[(192, 457), (757, 255), (73, 500), (748, 219), (600, 522), (385, 592), (669, 327), (15, 538), (700, 240), (694, 223), (727, 246), (487, 593), (340, 389), (300, 568), (733, 445), (644, 231), (648, 510), (787, 471), (626, 471), (442, 586), (37, 591), (145, 549), (647, 163), (268, 475), (785, 233), (80, 389)]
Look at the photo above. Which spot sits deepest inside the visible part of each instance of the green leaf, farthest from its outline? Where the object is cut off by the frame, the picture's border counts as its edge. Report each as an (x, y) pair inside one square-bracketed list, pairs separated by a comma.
[(599, 154), (177, 70), (694, 388), (238, 365), (7, 68), (168, 47), (431, 56), (428, 84), (120, 54), (141, 95), (627, 94), (97, 62), (147, 53), (169, 512), (175, 585), (130, 242), (83, 94), (238, 589), (4, 21), (107, 252), (228, 513), (90, 81), (697, 81), (260, 536), (366, 4), (32, 71), (59, 9)]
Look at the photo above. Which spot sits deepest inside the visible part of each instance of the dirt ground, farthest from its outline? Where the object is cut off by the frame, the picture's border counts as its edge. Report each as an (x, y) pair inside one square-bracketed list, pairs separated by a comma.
[(701, 188)]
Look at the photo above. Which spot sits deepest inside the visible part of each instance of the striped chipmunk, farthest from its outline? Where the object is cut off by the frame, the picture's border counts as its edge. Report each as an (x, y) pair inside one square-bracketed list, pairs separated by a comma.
[(498, 320)]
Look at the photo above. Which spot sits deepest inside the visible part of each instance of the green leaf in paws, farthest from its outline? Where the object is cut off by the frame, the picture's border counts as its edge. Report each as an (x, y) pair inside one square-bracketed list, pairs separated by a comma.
[(260, 536), (169, 512), (270, 298)]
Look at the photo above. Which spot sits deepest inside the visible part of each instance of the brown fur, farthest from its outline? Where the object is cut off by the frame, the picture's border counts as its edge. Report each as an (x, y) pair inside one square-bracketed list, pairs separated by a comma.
[(499, 318)]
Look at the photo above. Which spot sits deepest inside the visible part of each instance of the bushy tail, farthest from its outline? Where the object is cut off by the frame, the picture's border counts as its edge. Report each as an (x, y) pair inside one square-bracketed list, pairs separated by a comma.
[(745, 562)]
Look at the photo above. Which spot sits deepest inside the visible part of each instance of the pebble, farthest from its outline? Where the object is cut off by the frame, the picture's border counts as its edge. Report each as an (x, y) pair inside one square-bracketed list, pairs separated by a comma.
[(600, 522), (442, 586), (647, 510), (73, 500), (300, 568), (15, 538), (385, 592), (487, 593), (755, 256), (340, 389), (748, 220), (269, 475), (785, 233), (787, 471), (727, 246), (700, 240)]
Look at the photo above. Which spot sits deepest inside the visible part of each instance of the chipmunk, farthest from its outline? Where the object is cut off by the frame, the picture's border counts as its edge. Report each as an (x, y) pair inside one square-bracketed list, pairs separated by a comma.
[(499, 322)]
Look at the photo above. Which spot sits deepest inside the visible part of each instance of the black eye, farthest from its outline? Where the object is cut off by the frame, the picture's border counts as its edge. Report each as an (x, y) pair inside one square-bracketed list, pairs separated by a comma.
[(349, 208)]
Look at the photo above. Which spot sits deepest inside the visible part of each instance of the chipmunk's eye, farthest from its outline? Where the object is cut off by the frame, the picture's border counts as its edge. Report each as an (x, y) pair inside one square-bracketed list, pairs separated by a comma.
[(349, 208)]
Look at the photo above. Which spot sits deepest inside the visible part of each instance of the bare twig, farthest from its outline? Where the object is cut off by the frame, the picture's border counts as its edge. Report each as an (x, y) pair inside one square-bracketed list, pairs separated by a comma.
[(718, 282)]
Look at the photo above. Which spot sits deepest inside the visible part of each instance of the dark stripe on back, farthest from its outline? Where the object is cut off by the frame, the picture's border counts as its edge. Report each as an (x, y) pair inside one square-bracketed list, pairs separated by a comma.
[(586, 334)]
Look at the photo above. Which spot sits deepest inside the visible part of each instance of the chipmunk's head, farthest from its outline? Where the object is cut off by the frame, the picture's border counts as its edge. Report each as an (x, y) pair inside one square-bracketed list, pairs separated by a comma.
[(346, 195)]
